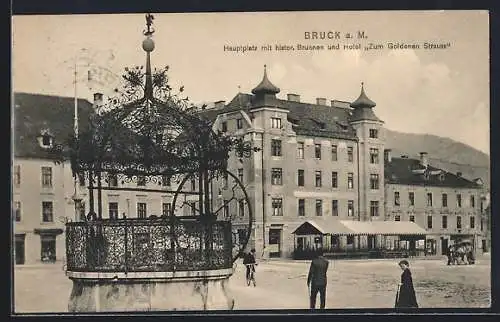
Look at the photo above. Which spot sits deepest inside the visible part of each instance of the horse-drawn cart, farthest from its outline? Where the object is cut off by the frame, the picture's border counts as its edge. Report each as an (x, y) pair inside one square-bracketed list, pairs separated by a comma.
[(461, 253)]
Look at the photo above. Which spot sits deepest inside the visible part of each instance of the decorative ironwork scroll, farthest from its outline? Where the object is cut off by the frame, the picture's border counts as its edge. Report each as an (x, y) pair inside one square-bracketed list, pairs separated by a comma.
[(147, 134)]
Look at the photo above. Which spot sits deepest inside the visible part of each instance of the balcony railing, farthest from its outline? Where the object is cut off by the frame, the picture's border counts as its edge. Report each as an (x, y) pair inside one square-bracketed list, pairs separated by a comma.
[(146, 245)]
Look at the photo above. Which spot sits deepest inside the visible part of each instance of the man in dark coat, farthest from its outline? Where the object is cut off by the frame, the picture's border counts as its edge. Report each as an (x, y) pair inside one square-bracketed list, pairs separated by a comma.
[(317, 279), (406, 293)]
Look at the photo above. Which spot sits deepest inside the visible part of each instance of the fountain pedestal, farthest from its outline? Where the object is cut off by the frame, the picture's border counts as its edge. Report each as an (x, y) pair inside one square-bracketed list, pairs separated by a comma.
[(150, 291)]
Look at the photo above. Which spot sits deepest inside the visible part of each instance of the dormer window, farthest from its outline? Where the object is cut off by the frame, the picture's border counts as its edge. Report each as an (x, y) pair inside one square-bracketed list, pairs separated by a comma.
[(46, 139)]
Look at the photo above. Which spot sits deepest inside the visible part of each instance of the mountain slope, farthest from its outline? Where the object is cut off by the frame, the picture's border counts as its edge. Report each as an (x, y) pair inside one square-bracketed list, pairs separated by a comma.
[(443, 153)]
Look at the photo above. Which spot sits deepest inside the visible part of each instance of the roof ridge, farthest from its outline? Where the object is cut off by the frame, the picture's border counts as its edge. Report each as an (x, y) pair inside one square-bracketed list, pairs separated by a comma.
[(51, 95)]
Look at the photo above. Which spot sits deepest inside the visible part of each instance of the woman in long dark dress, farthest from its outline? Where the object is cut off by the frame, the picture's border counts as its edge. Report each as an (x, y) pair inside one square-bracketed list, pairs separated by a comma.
[(406, 293)]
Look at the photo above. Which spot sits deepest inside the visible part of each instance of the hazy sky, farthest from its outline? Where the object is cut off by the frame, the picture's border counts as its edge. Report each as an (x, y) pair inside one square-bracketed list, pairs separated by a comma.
[(442, 91)]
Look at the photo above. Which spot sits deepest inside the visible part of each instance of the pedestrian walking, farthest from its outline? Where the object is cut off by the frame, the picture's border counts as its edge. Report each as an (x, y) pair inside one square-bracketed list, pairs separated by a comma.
[(405, 297), (317, 279)]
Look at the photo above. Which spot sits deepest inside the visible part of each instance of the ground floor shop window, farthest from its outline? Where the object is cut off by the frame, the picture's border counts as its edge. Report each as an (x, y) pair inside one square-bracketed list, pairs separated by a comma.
[(48, 249)]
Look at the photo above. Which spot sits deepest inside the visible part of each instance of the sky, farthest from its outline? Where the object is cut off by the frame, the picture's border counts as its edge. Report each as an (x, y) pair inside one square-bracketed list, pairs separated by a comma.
[(443, 91)]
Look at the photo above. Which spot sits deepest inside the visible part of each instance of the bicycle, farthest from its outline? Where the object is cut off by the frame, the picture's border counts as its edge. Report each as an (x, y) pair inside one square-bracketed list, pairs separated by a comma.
[(251, 276)]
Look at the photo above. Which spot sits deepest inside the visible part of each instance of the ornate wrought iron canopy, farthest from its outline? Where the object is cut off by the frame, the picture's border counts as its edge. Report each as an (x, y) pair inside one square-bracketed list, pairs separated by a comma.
[(146, 132)]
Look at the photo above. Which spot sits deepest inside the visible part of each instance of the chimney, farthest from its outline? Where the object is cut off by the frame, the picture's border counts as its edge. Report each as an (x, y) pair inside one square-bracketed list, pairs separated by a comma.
[(321, 101), (219, 104), (459, 174), (423, 158), (387, 155), (98, 100), (293, 97)]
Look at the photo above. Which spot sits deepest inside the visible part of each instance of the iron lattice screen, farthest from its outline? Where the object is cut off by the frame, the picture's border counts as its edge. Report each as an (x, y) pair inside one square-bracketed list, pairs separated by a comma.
[(135, 245)]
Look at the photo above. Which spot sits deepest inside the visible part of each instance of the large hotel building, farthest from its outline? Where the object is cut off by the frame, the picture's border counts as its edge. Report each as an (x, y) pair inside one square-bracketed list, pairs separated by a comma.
[(325, 162)]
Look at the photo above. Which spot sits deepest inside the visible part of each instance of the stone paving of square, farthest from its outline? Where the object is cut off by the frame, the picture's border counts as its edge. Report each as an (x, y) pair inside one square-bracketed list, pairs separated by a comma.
[(281, 284)]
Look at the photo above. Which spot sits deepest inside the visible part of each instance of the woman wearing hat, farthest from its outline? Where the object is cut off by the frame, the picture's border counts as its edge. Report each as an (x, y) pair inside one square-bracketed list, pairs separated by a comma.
[(405, 296)]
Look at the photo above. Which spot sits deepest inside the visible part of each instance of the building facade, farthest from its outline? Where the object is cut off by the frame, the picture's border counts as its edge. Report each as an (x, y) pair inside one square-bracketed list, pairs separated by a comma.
[(447, 205), (324, 162), (316, 161)]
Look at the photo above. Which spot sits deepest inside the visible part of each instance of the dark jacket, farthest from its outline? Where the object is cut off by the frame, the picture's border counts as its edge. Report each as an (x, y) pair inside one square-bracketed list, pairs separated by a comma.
[(248, 259), (317, 271), (406, 296)]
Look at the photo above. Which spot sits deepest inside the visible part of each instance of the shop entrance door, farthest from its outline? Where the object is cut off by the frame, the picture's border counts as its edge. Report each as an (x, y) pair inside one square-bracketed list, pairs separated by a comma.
[(19, 249), (275, 242)]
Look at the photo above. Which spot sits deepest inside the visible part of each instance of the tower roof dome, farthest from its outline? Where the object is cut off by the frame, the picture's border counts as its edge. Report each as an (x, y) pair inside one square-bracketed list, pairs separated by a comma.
[(265, 86), (363, 101)]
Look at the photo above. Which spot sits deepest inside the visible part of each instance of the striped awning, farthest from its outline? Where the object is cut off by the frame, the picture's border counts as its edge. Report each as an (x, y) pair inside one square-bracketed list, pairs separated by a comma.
[(351, 227), (388, 228)]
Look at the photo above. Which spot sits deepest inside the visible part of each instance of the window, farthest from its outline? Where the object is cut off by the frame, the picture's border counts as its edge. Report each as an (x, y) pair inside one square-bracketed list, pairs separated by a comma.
[(241, 207), (276, 176), (47, 211), (17, 175), (374, 182), (225, 181), (374, 208), (275, 148), (17, 211), (276, 122), (224, 126), (444, 222), (226, 209), (319, 207), (373, 156), (335, 180), (80, 206), (350, 240), (192, 205), (165, 180), (300, 178), (472, 201), (472, 222), (482, 224), (444, 200), (166, 208), (411, 198), (350, 208), (429, 222), (277, 204), (459, 222), (113, 210), (335, 207), (302, 208), (317, 151), (81, 179), (141, 180), (350, 154), (240, 174), (397, 218), (373, 133), (396, 198), (429, 199), (459, 200), (193, 184), (317, 177), (47, 177), (46, 140), (350, 180), (48, 249), (300, 150), (141, 210), (412, 218), (239, 123), (112, 180), (334, 152)]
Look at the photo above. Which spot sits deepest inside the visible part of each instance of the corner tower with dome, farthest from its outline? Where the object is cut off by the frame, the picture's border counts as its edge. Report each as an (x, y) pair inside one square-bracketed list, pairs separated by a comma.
[(313, 167)]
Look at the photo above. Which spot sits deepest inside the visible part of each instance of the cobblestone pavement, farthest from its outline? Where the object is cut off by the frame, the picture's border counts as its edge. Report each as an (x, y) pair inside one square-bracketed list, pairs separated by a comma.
[(281, 284)]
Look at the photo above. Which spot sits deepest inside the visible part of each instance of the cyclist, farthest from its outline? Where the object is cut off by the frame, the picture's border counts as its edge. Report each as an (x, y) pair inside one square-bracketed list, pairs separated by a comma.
[(249, 262)]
